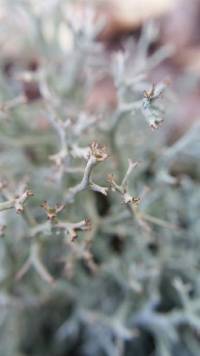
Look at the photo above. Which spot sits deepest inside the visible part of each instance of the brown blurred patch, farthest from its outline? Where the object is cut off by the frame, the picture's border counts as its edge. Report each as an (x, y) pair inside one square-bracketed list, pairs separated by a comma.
[(125, 16), (189, 60), (31, 91), (181, 25), (103, 96), (187, 112)]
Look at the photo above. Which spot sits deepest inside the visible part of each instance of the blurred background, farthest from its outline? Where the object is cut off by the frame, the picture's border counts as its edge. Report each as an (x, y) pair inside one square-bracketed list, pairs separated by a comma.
[(177, 22)]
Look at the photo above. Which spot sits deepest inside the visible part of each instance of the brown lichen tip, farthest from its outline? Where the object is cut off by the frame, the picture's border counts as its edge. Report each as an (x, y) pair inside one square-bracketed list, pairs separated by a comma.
[(19, 210), (52, 212), (155, 124), (156, 90), (135, 201), (29, 193), (88, 224), (73, 235), (149, 95), (84, 225), (98, 151), (110, 178), (20, 200), (112, 184)]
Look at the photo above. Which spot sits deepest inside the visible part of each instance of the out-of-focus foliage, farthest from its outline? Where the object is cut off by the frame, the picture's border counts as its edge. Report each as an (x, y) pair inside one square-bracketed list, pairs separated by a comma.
[(100, 228)]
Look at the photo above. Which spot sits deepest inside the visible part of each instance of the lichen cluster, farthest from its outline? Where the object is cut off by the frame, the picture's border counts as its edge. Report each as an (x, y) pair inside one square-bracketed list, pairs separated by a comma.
[(99, 218)]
